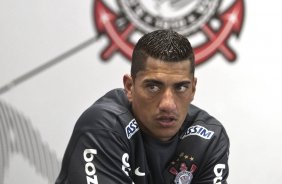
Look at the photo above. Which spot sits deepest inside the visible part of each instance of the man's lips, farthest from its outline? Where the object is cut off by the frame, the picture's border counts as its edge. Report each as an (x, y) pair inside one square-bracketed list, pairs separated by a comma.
[(166, 121)]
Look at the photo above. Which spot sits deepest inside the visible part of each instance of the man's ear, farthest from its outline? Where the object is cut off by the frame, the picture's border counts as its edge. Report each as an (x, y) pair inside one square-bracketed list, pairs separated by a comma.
[(128, 86)]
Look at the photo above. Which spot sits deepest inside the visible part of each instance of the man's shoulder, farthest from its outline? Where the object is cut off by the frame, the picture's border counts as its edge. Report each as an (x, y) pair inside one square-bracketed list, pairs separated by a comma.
[(201, 123), (110, 112), (198, 115), (113, 102)]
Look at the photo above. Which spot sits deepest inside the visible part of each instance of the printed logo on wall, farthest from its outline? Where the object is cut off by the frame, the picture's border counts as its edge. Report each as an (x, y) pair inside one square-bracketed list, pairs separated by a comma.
[(208, 23)]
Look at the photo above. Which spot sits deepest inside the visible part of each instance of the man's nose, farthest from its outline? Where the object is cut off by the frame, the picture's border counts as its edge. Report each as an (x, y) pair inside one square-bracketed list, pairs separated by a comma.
[(167, 102)]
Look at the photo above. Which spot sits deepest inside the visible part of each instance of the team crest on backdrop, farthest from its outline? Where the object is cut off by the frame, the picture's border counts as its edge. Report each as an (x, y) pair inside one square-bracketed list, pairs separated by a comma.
[(209, 24)]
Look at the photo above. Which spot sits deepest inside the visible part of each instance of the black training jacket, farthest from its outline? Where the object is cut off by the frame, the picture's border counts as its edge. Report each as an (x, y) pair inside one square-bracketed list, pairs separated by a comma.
[(107, 147)]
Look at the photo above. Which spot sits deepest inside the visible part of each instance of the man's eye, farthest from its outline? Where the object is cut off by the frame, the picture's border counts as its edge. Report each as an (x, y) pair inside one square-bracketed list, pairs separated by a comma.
[(153, 88), (181, 88)]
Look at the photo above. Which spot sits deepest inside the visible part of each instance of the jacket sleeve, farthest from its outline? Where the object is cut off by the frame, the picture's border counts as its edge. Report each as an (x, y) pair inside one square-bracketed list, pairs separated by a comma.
[(95, 155), (215, 168)]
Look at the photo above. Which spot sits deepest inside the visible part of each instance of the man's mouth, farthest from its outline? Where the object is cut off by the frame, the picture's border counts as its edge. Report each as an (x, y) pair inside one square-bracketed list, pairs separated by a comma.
[(166, 121)]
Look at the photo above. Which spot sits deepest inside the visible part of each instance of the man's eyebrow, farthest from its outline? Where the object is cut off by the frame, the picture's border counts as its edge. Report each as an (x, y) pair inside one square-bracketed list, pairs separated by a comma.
[(183, 83), (152, 81)]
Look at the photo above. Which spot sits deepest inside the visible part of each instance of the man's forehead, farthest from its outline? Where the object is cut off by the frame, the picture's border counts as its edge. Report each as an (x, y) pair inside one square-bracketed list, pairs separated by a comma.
[(160, 68), (159, 76)]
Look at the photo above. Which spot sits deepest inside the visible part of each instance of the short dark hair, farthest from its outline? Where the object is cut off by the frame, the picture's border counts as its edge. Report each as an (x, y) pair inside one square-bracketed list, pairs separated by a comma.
[(166, 45)]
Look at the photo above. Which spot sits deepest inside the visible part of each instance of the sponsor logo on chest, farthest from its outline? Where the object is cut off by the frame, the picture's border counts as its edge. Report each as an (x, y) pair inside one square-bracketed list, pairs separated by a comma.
[(131, 128), (198, 131)]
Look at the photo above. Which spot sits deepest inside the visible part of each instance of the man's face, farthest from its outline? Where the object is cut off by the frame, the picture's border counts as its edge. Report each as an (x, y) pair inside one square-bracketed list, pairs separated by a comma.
[(160, 96)]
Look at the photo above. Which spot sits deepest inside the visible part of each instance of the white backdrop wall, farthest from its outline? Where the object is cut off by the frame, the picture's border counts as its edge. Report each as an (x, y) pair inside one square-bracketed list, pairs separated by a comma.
[(38, 114)]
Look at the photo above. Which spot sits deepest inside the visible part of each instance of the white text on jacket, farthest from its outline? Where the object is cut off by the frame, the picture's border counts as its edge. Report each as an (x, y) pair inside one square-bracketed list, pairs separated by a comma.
[(90, 169), (218, 171), (131, 128), (199, 131)]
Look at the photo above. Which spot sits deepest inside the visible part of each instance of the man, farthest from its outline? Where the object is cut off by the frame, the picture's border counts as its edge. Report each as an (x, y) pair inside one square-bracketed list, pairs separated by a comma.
[(148, 132)]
